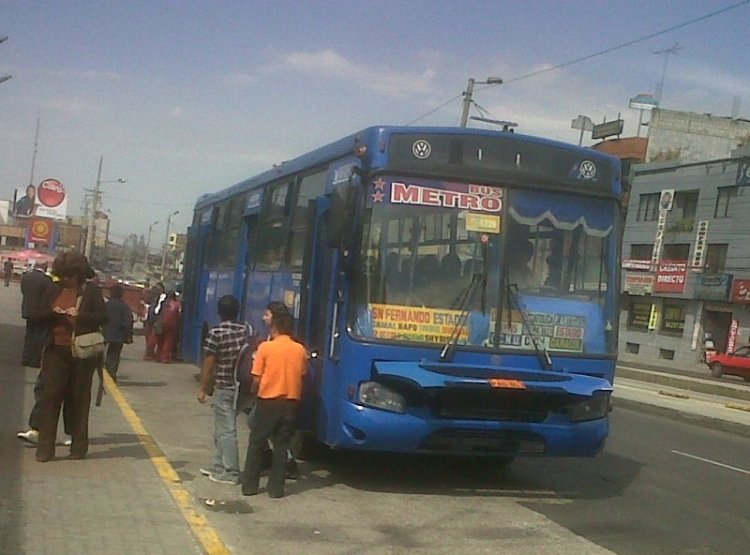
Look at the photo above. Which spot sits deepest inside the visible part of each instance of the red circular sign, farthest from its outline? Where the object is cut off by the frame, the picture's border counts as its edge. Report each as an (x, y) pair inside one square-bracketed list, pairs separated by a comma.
[(51, 193)]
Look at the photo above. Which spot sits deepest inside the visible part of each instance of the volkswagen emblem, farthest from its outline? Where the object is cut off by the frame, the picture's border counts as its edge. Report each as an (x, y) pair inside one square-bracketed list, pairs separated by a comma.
[(588, 169), (421, 149)]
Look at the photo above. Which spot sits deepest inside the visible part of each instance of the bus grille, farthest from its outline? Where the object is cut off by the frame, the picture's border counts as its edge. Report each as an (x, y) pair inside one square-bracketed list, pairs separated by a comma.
[(501, 405), (483, 442)]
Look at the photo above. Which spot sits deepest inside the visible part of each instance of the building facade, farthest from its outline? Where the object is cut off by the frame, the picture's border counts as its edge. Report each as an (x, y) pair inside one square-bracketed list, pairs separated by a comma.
[(686, 260)]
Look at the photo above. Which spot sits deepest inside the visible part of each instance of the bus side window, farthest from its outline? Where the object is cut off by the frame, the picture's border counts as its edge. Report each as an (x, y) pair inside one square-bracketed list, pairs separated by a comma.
[(273, 228)]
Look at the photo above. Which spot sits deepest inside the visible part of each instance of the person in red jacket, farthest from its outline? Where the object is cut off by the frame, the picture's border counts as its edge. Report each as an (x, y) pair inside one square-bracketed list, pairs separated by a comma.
[(171, 317)]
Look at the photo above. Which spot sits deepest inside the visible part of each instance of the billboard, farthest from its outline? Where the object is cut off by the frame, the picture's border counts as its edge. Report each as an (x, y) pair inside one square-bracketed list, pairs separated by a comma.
[(48, 200)]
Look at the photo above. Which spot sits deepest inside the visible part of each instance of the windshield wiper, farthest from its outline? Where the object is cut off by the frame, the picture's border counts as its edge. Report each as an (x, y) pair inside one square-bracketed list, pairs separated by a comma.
[(465, 307), (541, 352)]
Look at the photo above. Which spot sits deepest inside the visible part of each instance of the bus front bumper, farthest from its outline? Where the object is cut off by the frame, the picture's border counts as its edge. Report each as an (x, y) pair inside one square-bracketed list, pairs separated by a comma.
[(364, 428)]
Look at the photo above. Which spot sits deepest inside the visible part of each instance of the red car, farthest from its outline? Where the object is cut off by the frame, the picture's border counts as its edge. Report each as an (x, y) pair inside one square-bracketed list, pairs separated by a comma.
[(733, 364)]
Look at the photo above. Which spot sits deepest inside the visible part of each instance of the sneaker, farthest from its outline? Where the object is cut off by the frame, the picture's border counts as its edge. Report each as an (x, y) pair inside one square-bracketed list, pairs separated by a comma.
[(206, 470), (223, 479), (29, 436), (68, 440)]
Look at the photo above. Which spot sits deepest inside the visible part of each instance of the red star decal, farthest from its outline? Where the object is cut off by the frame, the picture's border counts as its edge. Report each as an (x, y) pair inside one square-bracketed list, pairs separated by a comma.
[(379, 184), (377, 196)]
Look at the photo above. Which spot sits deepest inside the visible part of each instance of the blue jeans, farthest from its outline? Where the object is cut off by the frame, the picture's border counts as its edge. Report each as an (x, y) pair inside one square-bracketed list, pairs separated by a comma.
[(226, 463)]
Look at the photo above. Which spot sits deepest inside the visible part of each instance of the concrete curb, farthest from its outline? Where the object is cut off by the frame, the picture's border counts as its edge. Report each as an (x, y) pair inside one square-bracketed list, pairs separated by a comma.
[(683, 416), (682, 382)]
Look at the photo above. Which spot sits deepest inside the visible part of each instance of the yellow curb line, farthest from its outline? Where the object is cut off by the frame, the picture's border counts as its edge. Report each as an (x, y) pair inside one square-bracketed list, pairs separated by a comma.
[(206, 535)]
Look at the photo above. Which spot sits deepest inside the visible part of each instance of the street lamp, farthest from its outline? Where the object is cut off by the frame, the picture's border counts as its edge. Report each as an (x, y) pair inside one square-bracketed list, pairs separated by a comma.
[(94, 206), (166, 244), (470, 90), (148, 245)]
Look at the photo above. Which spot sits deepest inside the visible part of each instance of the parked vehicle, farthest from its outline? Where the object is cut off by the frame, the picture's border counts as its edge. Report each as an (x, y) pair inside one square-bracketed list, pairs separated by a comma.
[(732, 364)]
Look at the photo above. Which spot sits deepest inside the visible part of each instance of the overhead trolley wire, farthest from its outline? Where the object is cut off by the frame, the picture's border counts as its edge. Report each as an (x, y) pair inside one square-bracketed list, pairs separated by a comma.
[(596, 54)]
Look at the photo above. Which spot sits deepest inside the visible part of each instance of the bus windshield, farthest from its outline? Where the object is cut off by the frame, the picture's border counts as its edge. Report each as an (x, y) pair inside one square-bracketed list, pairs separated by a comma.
[(519, 263)]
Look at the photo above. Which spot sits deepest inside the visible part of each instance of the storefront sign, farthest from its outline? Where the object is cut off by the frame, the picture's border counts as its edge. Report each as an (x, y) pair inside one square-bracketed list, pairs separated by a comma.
[(653, 319), (639, 284), (671, 276), (699, 253), (741, 291), (732, 336), (637, 265), (713, 287)]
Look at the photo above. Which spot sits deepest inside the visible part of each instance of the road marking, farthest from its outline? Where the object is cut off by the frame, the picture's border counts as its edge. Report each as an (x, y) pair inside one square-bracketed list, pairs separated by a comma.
[(709, 461), (206, 535)]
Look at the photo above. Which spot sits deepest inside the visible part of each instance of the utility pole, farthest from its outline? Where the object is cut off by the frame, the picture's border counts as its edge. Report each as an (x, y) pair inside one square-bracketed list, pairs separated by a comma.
[(470, 91), (92, 212), (148, 244), (166, 245), (36, 145), (467, 102)]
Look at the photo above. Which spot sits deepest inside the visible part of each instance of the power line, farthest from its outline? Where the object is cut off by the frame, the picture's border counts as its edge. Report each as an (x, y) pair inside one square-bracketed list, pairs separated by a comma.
[(598, 53)]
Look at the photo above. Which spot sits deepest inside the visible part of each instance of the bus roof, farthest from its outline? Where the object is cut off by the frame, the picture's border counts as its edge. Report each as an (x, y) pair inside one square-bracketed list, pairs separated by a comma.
[(369, 137)]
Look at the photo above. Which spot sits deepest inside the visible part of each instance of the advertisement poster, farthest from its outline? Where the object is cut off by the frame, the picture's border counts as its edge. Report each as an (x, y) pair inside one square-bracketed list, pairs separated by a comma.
[(52, 201), (558, 332), (732, 336), (40, 231), (639, 284), (671, 276), (48, 200), (409, 323), (741, 291)]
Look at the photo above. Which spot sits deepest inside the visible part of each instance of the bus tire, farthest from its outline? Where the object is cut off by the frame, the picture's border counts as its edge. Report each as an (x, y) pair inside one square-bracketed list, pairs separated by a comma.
[(311, 449)]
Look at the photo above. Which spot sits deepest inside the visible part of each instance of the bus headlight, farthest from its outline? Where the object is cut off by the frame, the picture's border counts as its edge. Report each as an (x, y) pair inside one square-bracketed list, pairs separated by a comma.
[(593, 408), (375, 395)]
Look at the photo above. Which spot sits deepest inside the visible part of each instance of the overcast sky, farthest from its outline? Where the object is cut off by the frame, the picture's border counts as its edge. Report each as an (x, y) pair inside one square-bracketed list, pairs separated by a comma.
[(187, 97)]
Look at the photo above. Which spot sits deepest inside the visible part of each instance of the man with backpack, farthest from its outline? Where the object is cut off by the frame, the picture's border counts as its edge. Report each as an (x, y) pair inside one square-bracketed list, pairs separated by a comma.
[(223, 347)]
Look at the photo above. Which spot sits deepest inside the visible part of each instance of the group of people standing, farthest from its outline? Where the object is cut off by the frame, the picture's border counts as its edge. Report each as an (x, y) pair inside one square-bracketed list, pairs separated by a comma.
[(278, 366), (162, 324)]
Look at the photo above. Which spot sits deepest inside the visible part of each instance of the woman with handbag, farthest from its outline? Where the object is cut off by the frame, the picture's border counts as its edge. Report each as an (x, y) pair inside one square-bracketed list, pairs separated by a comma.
[(75, 319)]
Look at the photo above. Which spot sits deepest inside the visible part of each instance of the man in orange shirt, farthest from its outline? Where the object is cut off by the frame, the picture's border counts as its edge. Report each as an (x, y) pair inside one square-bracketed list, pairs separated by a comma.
[(277, 372)]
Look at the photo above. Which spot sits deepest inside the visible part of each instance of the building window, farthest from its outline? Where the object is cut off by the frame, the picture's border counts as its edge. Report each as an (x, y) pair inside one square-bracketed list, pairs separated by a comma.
[(666, 354), (673, 317), (632, 348), (682, 216), (641, 252), (639, 315), (716, 258), (724, 200), (676, 252), (648, 208)]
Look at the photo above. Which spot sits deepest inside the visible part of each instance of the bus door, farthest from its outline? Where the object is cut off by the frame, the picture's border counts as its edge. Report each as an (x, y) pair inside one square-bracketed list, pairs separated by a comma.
[(314, 324), (249, 304), (195, 293)]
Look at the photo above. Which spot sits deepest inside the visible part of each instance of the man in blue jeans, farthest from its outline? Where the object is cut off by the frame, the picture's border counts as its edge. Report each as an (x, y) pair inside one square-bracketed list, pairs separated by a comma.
[(222, 348)]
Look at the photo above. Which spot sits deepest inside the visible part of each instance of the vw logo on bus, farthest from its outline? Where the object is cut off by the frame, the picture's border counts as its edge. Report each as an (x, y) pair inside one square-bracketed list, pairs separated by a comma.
[(421, 149), (588, 169)]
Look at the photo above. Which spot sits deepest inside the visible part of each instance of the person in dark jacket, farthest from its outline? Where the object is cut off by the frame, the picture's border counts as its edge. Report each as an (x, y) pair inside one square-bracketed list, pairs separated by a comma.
[(38, 290), (118, 330), (77, 309), (8, 272)]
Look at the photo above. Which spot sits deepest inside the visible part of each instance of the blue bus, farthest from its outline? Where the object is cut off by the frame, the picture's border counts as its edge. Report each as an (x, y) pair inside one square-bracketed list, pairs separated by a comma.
[(457, 288)]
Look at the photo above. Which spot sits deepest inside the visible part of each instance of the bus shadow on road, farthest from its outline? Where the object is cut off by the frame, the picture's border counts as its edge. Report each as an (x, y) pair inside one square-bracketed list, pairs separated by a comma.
[(525, 478)]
